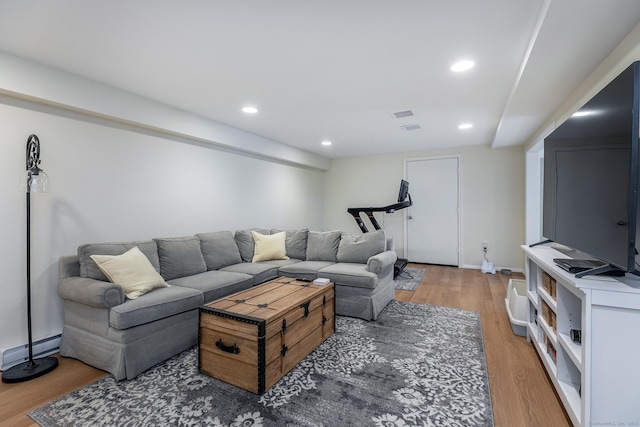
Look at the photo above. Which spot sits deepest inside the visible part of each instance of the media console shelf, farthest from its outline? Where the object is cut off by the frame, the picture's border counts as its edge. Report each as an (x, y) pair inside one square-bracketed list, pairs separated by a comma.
[(598, 378)]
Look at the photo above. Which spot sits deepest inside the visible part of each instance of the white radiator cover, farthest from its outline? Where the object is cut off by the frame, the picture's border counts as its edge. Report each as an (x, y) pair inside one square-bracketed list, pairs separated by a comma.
[(41, 348)]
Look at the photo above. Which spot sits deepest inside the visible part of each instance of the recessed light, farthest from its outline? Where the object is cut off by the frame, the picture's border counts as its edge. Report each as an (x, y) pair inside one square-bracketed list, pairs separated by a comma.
[(462, 66), (465, 126), (249, 110), (326, 143), (581, 113)]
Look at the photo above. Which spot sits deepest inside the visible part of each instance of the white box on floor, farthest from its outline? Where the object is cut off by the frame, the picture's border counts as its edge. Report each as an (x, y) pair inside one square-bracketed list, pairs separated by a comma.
[(517, 305)]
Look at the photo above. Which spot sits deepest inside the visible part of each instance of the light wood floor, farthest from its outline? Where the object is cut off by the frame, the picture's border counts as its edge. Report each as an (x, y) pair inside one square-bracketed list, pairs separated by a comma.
[(521, 392)]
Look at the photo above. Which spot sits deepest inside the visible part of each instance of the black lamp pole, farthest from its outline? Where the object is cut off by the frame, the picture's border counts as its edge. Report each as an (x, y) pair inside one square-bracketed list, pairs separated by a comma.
[(36, 181)]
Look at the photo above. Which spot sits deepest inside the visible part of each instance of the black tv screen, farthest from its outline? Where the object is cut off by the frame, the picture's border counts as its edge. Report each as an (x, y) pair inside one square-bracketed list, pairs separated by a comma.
[(403, 193), (590, 190)]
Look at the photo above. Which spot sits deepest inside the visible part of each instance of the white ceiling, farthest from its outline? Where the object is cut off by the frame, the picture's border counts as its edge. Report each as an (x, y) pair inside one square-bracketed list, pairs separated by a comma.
[(334, 69)]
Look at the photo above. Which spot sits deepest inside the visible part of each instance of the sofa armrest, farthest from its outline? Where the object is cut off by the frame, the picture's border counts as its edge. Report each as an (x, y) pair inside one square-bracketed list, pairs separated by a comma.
[(379, 262), (95, 293)]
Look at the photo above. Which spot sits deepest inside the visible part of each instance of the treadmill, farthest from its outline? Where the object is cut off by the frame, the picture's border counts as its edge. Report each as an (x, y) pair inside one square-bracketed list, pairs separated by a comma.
[(404, 201)]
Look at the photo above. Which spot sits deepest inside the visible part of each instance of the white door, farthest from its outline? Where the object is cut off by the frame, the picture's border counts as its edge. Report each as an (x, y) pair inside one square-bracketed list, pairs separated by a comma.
[(432, 223)]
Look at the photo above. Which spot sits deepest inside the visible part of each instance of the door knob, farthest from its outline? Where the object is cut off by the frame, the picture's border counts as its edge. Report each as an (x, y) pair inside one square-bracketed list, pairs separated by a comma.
[(410, 217)]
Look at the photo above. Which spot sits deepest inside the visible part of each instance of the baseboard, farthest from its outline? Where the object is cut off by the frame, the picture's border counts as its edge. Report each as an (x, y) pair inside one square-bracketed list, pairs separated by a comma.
[(478, 267), (41, 348)]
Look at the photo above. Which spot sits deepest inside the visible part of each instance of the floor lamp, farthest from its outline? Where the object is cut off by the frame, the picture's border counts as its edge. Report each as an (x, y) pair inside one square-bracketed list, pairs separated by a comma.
[(34, 180)]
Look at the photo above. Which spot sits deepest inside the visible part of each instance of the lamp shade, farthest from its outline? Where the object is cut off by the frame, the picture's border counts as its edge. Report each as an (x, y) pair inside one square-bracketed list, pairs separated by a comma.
[(33, 182)]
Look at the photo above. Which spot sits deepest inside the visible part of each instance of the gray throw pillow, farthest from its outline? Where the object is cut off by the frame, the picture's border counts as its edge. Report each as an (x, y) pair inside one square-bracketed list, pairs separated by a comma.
[(323, 246), (360, 248), (245, 243), (219, 249), (180, 257), (89, 268), (295, 242)]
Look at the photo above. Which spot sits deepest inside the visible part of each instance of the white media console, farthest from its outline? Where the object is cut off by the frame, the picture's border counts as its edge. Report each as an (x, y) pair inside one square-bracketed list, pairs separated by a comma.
[(598, 379)]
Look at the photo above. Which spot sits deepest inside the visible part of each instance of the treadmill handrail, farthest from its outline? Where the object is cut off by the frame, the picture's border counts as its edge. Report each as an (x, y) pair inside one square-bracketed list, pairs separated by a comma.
[(389, 208), (355, 212)]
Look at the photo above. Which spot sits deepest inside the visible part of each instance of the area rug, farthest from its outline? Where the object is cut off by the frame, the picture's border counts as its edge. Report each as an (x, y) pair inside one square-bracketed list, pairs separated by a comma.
[(409, 278), (417, 365)]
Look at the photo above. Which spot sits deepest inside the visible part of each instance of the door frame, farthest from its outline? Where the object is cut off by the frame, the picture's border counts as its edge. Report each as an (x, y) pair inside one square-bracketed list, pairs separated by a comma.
[(458, 157)]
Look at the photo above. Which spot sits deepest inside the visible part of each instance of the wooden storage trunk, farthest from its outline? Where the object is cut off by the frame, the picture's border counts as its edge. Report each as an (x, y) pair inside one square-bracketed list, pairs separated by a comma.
[(254, 337)]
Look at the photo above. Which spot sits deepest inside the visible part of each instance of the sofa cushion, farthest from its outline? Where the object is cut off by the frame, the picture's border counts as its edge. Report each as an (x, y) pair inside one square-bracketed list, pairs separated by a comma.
[(155, 305), (245, 243), (323, 246), (176, 323), (295, 242), (304, 269), (260, 271), (215, 284), (180, 256), (360, 248), (88, 267), (219, 249), (131, 270), (282, 262), (269, 247), (352, 274)]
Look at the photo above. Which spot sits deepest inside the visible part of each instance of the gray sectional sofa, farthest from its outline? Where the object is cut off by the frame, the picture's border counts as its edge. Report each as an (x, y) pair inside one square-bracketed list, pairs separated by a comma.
[(123, 336)]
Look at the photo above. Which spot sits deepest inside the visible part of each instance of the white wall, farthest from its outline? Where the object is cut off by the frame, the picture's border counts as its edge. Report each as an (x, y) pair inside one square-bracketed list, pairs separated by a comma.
[(113, 182), (533, 205), (32, 81), (618, 60), (492, 199)]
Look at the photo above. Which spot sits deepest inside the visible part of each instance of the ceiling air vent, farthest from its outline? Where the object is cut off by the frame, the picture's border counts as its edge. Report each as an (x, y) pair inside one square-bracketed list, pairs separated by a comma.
[(411, 127), (401, 114)]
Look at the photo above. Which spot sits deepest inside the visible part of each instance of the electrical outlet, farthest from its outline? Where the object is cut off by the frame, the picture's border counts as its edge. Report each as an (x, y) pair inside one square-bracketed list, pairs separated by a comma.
[(485, 245)]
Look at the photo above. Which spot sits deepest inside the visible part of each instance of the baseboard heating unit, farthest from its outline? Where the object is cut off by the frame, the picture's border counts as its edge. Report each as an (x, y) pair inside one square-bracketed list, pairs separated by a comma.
[(41, 348)]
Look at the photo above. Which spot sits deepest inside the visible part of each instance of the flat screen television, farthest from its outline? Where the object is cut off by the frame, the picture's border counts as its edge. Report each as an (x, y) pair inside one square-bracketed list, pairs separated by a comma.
[(591, 177)]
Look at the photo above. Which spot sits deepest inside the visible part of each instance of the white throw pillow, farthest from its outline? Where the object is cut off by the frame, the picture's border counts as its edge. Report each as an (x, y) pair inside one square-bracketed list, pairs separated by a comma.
[(270, 246), (132, 270)]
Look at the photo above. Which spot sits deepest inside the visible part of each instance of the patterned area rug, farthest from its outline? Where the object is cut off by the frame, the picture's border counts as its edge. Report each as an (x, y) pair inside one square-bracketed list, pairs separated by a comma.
[(416, 365), (409, 278)]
